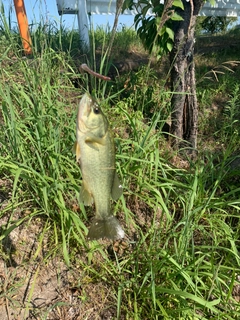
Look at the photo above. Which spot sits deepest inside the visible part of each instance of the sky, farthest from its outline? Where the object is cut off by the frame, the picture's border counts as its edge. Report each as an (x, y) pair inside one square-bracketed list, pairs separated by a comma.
[(46, 10)]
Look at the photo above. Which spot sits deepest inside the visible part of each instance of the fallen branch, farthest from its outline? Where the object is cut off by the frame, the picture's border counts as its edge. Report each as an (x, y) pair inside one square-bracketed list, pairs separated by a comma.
[(84, 67)]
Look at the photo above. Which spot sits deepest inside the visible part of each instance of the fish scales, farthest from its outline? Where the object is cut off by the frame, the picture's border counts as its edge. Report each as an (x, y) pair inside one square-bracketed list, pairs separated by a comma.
[(94, 150), (98, 170)]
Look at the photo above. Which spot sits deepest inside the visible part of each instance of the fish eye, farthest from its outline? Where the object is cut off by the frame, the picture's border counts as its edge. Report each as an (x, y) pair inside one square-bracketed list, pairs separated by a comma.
[(96, 110)]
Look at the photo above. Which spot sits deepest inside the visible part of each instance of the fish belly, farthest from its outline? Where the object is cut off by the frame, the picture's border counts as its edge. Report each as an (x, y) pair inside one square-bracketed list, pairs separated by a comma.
[(98, 169)]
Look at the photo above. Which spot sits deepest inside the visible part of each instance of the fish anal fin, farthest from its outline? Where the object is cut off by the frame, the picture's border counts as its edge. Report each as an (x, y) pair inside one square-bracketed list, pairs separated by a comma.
[(117, 190)]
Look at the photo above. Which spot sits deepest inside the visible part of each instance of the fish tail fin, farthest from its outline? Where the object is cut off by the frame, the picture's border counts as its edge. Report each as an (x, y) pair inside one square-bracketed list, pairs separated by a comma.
[(106, 228)]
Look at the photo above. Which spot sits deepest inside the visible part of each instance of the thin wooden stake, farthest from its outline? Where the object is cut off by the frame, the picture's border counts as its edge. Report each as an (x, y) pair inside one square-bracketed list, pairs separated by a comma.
[(23, 26)]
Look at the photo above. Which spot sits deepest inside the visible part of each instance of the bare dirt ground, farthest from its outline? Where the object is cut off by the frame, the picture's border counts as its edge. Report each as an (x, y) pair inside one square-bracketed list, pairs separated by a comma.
[(34, 285), (29, 286)]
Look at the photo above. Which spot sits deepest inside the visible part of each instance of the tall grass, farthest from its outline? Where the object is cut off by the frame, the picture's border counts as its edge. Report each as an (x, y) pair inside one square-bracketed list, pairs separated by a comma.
[(36, 152), (181, 217)]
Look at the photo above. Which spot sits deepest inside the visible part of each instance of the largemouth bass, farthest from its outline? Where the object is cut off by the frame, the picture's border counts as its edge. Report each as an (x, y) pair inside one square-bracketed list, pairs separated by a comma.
[(94, 150)]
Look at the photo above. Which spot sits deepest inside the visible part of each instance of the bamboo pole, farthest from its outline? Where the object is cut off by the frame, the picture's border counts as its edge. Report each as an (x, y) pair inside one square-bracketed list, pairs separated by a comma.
[(23, 26)]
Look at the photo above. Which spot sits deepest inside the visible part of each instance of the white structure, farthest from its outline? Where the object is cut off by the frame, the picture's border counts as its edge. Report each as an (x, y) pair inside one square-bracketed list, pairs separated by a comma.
[(78, 7), (229, 8), (221, 8)]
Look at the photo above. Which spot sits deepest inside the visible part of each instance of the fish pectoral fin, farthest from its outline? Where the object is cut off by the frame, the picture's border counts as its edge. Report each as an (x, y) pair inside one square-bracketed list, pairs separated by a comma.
[(92, 141), (76, 151), (85, 196), (117, 189)]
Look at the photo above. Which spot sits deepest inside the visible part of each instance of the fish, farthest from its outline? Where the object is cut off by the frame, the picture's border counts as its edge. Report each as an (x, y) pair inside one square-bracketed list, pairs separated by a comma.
[(95, 151)]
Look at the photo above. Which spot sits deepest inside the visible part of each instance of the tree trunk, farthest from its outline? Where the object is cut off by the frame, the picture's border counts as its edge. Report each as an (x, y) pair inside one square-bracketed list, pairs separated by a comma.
[(184, 122)]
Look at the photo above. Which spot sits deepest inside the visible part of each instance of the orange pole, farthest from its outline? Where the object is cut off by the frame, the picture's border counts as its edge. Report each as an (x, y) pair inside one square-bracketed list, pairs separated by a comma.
[(23, 25)]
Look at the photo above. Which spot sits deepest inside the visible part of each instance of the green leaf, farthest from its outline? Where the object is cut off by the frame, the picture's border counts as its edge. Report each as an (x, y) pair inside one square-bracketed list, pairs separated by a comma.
[(169, 46), (127, 4), (178, 3), (170, 33), (212, 2), (176, 17), (145, 10), (201, 301)]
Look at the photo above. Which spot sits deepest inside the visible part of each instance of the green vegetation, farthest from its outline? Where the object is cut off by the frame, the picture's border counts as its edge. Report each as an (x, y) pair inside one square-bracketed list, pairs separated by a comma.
[(180, 259), (216, 24), (155, 32)]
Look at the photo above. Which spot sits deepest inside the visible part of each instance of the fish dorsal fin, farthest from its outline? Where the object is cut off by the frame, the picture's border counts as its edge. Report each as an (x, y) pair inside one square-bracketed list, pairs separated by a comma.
[(76, 151), (117, 189), (85, 196)]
